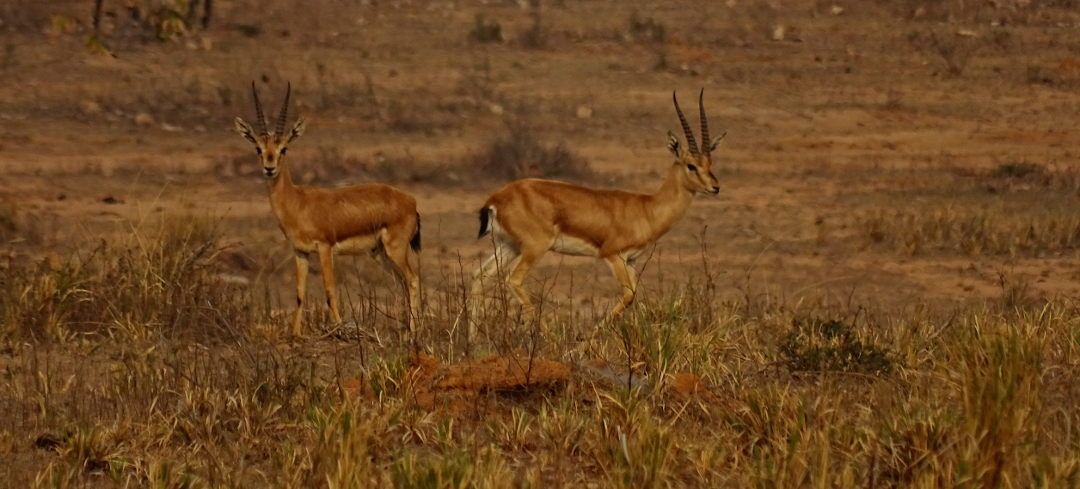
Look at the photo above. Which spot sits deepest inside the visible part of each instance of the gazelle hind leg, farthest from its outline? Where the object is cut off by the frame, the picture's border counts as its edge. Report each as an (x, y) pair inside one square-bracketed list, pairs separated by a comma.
[(397, 252), (500, 260), (301, 292), (627, 278), (518, 271)]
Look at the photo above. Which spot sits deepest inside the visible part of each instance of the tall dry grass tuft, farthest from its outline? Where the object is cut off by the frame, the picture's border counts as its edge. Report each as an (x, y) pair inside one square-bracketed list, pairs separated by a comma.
[(160, 281), (985, 231), (106, 386)]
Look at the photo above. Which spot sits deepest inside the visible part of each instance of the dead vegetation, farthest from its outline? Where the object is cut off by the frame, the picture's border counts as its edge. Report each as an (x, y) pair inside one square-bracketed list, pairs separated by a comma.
[(519, 152), (163, 398), (985, 231), (150, 352)]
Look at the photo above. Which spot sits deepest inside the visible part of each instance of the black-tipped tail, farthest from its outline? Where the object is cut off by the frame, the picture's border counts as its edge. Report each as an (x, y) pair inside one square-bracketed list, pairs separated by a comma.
[(485, 222), (415, 241)]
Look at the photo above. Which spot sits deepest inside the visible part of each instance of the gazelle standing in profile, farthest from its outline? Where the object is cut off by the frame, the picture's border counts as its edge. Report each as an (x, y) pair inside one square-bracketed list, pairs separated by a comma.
[(358, 219), (530, 217)]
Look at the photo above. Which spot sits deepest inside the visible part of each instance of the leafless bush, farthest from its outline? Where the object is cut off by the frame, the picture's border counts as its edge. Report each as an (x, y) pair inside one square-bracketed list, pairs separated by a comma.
[(163, 283), (517, 152), (954, 51), (535, 37), (651, 33), (484, 31), (973, 231)]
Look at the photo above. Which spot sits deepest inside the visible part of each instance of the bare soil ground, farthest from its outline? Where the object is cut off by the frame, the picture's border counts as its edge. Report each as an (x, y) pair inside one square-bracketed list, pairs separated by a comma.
[(905, 166)]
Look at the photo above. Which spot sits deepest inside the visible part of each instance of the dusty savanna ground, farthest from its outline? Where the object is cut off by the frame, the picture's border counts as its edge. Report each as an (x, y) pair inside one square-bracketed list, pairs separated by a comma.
[(883, 294)]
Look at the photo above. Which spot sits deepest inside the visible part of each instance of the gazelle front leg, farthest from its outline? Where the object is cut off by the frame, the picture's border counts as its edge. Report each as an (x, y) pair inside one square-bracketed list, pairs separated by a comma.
[(627, 278), (301, 291), (326, 260)]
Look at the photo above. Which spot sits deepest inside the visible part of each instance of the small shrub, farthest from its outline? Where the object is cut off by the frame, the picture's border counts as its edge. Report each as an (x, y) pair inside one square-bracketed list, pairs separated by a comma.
[(954, 51), (536, 35), (651, 32), (519, 153), (1017, 169), (163, 283), (646, 29), (9, 221), (830, 345), (1037, 75), (484, 31), (995, 231)]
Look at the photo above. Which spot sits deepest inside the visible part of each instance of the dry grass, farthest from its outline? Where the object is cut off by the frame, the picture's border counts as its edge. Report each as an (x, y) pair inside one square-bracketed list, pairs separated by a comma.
[(158, 357), (130, 366), (973, 231)]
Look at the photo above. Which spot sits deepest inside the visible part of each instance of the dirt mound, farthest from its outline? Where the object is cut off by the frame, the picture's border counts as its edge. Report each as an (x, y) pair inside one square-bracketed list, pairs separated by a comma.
[(457, 387), (686, 386)]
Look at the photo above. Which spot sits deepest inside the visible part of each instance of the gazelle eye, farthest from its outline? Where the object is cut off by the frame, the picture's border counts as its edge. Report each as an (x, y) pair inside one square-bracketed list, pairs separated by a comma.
[(258, 150), (691, 167), (283, 151)]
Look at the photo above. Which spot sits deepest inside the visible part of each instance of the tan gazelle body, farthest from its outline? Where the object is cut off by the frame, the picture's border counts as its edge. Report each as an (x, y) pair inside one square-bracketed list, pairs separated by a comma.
[(527, 218), (358, 219)]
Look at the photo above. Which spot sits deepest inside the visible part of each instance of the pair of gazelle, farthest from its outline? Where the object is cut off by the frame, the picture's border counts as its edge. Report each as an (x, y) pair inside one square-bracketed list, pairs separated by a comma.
[(526, 218)]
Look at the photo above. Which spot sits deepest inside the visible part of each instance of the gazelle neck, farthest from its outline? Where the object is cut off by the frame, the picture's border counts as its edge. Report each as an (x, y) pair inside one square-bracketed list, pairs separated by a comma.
[(671, 200), (281, 187)]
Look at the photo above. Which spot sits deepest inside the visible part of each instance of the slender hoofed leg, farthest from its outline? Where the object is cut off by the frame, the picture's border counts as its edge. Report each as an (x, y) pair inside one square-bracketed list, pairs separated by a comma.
[(397, 251), (301, 291), (627, 278), (516, 280), (326, 260), (500, 260)]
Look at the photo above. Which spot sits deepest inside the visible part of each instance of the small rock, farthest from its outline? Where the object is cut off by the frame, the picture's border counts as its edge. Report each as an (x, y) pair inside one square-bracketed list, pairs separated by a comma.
[(90, 108), (169, 127), (144, 119), (836, 10), (496, 109), (110, 200), (584, 112), (778, 33)]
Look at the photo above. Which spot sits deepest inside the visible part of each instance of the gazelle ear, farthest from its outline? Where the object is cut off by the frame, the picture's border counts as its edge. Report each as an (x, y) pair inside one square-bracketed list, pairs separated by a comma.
[(673, 144), (245, 130), (297, 129), (716, 141)]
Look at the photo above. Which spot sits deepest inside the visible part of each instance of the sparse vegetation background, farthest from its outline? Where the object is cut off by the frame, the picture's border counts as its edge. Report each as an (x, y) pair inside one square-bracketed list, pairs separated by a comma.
[(886, 293)]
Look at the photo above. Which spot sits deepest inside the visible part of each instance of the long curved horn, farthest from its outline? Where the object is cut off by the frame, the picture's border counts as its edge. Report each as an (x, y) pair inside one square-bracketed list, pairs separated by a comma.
[(284, 113), (705, 141), (258, 109), (685, 127)]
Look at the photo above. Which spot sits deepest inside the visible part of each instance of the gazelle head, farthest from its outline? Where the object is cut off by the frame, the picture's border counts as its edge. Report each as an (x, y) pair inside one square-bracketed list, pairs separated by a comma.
[(269, 146), (697, 163)]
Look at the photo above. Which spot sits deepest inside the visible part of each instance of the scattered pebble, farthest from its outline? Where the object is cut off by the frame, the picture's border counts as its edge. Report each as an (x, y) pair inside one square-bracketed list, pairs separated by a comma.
[(778, 33), (90, 108), (144, 119)]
